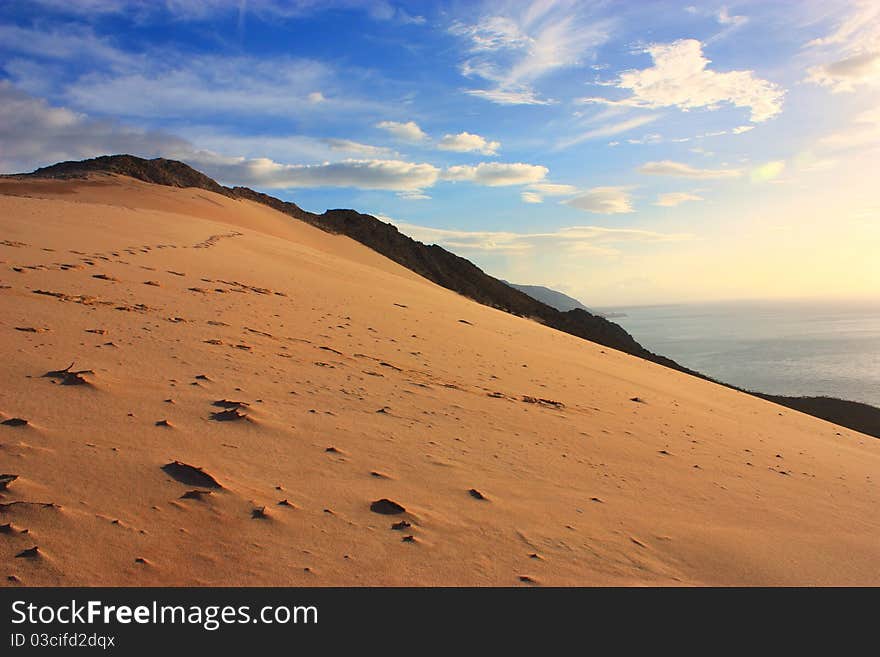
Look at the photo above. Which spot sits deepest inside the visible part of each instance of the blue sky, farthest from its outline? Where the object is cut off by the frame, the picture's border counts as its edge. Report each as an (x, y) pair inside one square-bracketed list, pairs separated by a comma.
[(623, 152)]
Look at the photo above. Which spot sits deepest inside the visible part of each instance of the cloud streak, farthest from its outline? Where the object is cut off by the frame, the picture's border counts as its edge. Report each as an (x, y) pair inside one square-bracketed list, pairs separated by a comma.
[(497, 174), (514, 49), (595, 239), (682, 170), (603, 200), (607, 130), (673, 199), (854, 46)]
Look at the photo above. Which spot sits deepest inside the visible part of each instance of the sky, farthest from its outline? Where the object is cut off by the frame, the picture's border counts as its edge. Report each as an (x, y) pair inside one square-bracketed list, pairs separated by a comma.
[(621, 152)]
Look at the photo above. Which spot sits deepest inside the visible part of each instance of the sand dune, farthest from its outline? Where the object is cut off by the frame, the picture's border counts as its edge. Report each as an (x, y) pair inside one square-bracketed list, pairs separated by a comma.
[(201, 391)]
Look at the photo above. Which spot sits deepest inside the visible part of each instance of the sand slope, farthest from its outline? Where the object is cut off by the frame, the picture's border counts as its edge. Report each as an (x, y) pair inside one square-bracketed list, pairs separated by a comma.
[(359, 381)]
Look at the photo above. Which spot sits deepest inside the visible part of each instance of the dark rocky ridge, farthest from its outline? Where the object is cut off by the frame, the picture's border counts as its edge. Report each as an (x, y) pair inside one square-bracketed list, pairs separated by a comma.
[(448, 270)]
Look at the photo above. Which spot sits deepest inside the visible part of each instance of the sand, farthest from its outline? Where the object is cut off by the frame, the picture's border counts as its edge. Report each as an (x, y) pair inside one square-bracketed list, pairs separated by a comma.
[(200, 391)]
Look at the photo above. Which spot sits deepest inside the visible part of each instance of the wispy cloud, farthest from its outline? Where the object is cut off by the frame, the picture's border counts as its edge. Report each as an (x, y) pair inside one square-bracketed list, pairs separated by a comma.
[(854, 49), (553, 189), (165, 84), (603, 200), (682, 170), (514, 46), (73, 41), (520, 96), (206, 10), (349, 146), (849, 73), (536, 192), (862, 133), (595, 239), (607, 130), (497, 174), (673, 199), (681, 77)]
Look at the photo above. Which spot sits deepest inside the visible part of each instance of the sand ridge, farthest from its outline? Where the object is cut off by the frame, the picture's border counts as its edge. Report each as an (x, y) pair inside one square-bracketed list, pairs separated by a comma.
[(199, 390)]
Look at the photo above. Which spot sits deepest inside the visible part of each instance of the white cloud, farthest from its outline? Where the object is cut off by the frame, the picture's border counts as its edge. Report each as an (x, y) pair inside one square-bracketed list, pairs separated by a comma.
[(537, 191), (553, 189), (858, 28), (513, 49), (681, 170), (413, 196), (672, 199), (508, 97), (492, 33), (855, 48), (847, 74), (680, 78), (593, 239), (741, 129), (497, 174), (603, 200), (348, 146), (395, 175), (34, 133), (607, 130), (465, 142), (409, 131)]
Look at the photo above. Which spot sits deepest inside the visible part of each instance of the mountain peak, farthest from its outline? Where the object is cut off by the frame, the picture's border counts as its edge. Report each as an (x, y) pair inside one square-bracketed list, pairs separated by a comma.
[(160, 171)]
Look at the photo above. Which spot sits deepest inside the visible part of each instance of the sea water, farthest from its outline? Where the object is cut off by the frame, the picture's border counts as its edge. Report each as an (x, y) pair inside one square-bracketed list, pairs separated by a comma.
[(780, 347)]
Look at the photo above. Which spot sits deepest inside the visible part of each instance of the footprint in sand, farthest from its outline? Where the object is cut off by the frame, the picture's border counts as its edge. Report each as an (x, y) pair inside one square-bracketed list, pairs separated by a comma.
[(6, 479), (229, 415), (196, 495), (30, 553), (190, 474), (477, 495), (387, 507), (69, 377)]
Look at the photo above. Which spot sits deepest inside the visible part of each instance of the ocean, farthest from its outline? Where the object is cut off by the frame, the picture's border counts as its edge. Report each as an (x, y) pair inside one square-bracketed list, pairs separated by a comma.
[(781, 347)]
